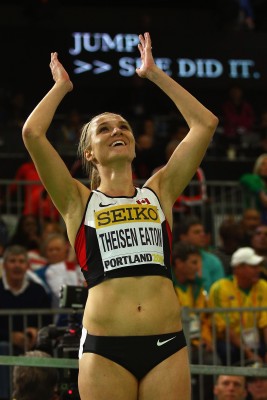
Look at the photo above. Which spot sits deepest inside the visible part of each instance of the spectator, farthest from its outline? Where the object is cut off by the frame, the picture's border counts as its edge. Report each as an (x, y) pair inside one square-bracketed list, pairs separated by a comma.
[(36, 200), (17, 291), (247, 331), (189, 288), (230, 387), (237, 116), (257, 385), (259, 244), (68, 132), (193, 196), (259, 240), (250, 220), (35, 383), (231, 235), (246, 14), (256, 185), (58, 270), (148, 152), (191, 230), (27, 232)]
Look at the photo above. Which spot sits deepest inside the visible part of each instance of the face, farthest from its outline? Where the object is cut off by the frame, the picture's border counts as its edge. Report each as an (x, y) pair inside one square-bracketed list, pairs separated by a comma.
[(249, 273), (251, 220), (15, 267), (259, 238), (30, 225), (56, 251), (49, 228), (263, 168), (195, 235), (111, 139), (188, 268), (230, 388), (258, 389)]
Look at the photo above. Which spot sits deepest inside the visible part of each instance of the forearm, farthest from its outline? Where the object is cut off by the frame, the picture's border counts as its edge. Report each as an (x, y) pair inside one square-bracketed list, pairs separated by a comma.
[(41, 117), (191, 109)]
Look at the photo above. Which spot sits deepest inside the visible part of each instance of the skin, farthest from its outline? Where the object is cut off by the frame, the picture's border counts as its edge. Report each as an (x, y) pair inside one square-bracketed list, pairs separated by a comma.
[(186, 270), (258, 389), (195, 235), (144, 305), (259, 240), (230, 388), (251, 219), (55, 250)]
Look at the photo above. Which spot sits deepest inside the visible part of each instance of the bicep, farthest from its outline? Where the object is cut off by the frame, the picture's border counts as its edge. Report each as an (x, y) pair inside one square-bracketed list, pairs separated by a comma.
[(184, 162)]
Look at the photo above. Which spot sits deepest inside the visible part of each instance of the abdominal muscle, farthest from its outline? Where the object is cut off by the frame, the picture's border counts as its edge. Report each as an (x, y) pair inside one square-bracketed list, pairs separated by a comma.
[(144, 305)]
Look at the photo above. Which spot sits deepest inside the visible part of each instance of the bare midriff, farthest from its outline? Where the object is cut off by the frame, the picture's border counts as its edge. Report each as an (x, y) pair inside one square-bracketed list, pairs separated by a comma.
[(144, 305)]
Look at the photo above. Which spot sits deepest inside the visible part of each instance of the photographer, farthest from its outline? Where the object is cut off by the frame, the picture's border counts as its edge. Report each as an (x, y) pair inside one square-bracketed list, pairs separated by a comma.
[(35, 383)]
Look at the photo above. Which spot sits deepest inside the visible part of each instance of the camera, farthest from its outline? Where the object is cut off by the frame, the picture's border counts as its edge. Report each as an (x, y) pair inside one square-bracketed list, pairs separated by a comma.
[(62, 341)]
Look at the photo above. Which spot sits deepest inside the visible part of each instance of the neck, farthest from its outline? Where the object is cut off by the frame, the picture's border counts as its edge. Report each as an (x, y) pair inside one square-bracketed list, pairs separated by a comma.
[(181, 278), (14, 284), (117, 182), (243, 283)]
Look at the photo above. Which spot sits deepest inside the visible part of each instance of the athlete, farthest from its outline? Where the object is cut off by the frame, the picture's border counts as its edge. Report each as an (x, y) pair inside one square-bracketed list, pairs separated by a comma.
[(132, 343)]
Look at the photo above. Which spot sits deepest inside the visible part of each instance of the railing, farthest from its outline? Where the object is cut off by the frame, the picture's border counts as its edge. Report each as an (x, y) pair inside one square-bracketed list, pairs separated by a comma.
[(199, 369), (220, 199)]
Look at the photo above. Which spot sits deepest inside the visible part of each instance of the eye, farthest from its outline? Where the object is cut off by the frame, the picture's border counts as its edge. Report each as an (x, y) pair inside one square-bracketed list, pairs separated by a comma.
[(103, 129), (124, 127)]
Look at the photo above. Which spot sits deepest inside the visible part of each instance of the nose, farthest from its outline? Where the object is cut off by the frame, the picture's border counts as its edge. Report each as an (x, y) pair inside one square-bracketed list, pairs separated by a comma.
[(116, 131)]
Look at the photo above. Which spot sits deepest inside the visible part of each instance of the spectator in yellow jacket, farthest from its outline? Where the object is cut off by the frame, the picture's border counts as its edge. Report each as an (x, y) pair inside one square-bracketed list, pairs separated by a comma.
[(241, 335), (190, 291)]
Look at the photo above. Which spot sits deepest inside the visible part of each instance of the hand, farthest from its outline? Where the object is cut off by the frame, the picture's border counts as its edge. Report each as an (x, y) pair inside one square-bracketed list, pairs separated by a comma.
[(147, 60), (58, 71), (253, 356)]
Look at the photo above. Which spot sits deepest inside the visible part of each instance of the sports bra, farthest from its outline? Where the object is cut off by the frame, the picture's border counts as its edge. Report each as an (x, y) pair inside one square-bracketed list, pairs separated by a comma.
[(123, 237)]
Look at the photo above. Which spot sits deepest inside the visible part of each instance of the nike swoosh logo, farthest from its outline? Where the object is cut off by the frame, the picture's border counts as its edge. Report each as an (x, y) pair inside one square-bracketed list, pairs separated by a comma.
[(159, 343), (106, 205)]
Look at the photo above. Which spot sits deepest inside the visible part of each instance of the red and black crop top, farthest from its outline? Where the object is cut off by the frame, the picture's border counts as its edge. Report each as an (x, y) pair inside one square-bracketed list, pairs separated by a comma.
[(123, 237)]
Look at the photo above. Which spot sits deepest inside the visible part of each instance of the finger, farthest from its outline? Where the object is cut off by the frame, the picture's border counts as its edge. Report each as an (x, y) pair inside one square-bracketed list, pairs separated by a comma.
[(140, 48), (148, 41), (142, 40)]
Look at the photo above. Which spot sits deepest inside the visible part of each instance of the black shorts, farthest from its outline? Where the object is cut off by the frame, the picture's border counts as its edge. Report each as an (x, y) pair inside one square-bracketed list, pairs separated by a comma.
[(138, 354)]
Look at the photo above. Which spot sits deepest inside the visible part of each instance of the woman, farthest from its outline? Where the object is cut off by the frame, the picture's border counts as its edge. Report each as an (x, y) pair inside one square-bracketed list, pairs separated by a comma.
[(132, 339)]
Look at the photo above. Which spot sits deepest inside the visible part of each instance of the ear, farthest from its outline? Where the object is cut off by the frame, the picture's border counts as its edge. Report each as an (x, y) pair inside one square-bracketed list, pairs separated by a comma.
[(88, 155)]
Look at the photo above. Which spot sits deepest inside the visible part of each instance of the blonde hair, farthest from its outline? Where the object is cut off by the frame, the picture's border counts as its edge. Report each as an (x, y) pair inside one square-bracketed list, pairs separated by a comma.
[(258, 163), (85, 144)]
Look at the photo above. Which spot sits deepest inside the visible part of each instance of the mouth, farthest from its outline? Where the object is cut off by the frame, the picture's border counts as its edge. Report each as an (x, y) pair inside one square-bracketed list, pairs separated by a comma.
[(118, 143)]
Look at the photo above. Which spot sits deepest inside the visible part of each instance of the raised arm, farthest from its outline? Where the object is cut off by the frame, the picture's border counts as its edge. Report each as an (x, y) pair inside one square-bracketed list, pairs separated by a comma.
[(171, 180), (66, 192)]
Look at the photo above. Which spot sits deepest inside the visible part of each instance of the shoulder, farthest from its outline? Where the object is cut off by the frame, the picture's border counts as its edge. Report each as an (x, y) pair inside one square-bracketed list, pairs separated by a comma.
[(210, 257), (222, 284), (35, 286), (262, 283)]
